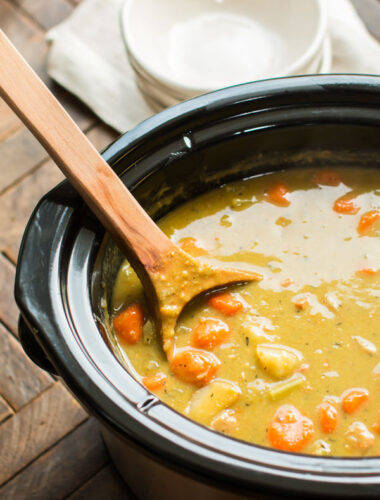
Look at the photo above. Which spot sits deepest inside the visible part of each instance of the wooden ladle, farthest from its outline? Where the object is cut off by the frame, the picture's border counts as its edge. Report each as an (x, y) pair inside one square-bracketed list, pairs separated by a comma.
[(171, 277)]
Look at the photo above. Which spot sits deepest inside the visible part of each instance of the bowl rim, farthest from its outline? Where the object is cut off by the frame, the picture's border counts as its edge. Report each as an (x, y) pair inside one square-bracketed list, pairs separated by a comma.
[(166, 82), (266, 469)]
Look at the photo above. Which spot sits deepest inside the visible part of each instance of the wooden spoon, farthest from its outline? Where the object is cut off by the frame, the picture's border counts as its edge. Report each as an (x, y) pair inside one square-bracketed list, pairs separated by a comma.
[(171, 277)]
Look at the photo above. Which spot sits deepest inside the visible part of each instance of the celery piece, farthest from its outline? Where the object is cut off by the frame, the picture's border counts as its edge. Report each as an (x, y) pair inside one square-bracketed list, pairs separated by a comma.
[(280, 389), (148, 333)]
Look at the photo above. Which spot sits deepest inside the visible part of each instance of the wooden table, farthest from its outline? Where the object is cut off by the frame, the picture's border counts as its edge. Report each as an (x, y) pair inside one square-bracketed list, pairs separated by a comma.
[(49, 447)]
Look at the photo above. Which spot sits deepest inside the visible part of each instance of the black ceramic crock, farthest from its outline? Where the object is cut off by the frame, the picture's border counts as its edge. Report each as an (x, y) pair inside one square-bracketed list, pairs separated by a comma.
[(65, 262)]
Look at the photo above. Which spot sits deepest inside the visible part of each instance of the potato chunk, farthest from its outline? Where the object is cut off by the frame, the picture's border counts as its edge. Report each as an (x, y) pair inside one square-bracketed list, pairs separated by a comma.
[(365, 344), (359, 437), (211, 399), (225, 421), (321, 448), (278, 360)]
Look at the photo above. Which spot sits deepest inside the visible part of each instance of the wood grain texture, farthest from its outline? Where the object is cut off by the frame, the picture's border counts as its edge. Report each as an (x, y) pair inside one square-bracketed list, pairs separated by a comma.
[(30, 41), (9, 122), (21, 151), (20, 379), (8, 308), (17, 204), (45, 12), (106, 484), (37, 427), (62, 469), (5, 412)]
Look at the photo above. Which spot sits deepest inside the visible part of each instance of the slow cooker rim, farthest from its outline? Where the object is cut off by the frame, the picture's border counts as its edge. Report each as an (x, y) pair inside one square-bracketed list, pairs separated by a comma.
[(239, 94), (182, 112)]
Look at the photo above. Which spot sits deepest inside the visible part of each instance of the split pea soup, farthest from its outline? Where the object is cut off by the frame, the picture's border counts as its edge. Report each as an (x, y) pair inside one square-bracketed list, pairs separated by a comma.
[(292, 360)]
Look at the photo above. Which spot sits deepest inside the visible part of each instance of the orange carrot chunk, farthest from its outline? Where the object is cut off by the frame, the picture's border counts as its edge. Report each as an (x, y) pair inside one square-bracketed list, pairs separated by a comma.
[(367, 221), (345, 205), (209, 333), (279, 195), (129, 324), (154, 382), (192, 246), (328, 417), (226, 303), (289, 429), (376, 425), (195, 366), (327, 178), (302, 303), (367, 271), (287, 282), (354, 399)]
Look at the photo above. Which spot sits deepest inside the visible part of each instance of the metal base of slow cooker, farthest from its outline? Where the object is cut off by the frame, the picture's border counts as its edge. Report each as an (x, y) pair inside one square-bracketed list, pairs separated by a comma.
[(149, 480)]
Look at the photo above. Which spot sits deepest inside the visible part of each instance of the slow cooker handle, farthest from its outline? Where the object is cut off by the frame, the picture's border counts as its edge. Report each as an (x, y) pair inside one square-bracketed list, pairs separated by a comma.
[(32, 348)]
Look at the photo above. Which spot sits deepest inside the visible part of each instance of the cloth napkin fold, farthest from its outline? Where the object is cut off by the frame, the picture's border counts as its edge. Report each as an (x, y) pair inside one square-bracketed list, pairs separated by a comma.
[(88, 57)]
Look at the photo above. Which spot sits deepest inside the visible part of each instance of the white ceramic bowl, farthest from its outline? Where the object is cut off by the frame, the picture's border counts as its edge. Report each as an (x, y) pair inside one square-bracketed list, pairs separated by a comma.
[(159, 97), (195, 46)]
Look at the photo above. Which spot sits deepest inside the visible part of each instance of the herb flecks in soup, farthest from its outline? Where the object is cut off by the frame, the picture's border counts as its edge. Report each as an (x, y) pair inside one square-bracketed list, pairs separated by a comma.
[(292, 361)]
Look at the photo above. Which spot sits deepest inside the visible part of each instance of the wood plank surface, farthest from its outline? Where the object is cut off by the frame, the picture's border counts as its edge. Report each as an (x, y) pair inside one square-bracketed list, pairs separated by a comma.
[(9, 122), (37, 427), (62, 469), (8, 308), (20, 379), (17, 204), (30, 40), (45, 12), (23, 152), (105, 484), (5, 411)]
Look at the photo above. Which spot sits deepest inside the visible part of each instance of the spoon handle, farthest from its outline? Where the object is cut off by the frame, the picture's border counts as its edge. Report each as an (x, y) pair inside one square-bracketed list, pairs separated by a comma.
[(105, 194)]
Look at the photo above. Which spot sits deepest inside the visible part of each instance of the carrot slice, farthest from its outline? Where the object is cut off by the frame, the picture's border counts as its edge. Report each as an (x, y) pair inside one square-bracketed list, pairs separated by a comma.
[(289, 429), (195, 366), (226, 303), (287, 282), (376, 425), (302, 303), (327, 178), (154, 382), (192, 246), (345, 205), (367, 271), (129, 324), (279, 195), (353, 399), (328, 417), (367, 221), (209, 333)]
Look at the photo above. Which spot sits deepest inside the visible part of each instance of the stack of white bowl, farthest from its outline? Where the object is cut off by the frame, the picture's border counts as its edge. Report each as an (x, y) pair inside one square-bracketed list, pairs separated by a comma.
[(183, 48)]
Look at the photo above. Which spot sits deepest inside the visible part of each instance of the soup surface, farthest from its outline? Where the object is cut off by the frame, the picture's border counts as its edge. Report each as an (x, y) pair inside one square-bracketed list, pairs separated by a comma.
[(291, 361)]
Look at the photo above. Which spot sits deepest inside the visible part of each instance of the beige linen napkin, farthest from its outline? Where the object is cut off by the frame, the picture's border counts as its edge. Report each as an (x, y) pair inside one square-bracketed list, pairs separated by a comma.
[(87, 56)]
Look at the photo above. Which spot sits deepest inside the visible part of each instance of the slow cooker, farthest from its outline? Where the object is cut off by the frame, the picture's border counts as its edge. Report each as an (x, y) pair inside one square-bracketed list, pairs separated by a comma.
[(67, 264)]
